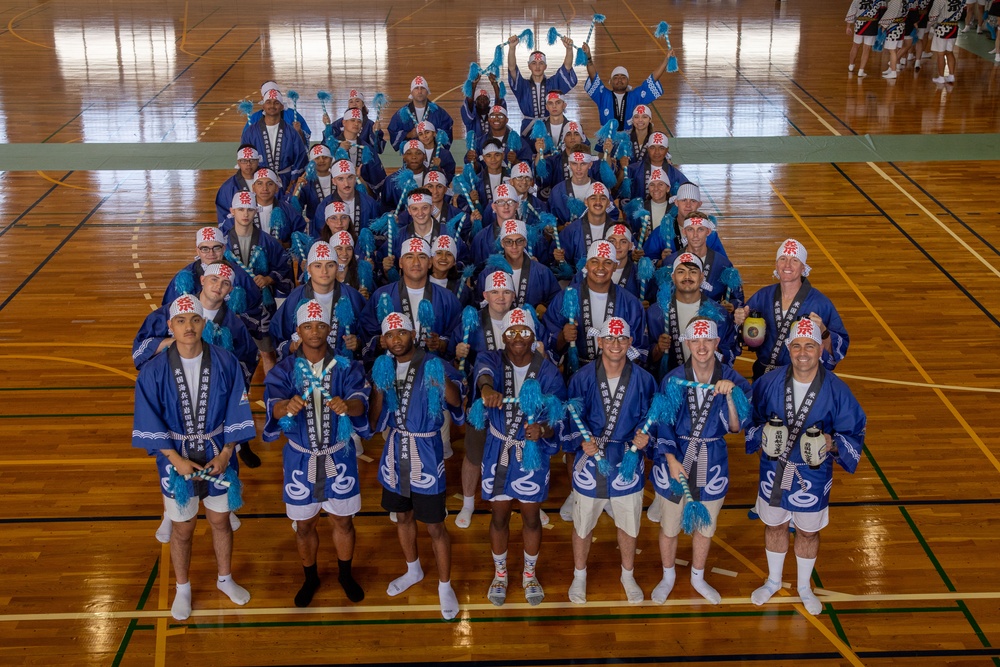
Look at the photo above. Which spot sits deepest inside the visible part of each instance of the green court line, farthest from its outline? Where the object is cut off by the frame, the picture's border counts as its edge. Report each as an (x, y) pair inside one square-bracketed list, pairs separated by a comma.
[(133, 624), (878, 471), (898, 610), (927, 550), (687, 150), (831, 612)]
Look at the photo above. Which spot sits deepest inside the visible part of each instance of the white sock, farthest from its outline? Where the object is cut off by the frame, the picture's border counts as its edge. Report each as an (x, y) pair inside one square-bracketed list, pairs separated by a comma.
[(236, 593), (234, 521), (181, 608), (578, 589), (809, 599), (653, 513), (500, 565), (543, 518), (703, 587), (662, 590), (775, 564), (464, 518), (529, 567), (447, 598), (414, 573), (632, 591), (164, 531)]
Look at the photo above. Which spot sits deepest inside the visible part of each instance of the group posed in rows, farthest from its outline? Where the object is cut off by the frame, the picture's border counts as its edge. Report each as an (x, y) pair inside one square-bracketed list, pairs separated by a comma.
[(549, 296), (913, 30)]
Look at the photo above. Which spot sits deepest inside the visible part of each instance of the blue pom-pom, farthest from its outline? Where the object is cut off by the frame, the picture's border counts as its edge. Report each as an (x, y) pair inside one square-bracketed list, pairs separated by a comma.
[(344, 428), (607, 175), (599, 18), (470, 320), (467, 273), (278, 221), (434, 380), (425, 311), (292, 95), (497, 262), (366, 242), (664, 277), (576, 208), (379, 101), (208, 334), (384, 306), (381, 224), (441, 139), (531, 456), (513, 141), (503, 91), (234, 494), (497, 62), (341, 154), (553, 35), (629, 464), (366, 275), (581, 58), (477, 414), (674, 400), (571, 304), (470, 145), (539, 131), (344, 312), (880, 40), (672, 64), (237, 301), (477, 226), (645, 269), (407, 116), (311, 172), (323, 96), (731, 278), (530, 398), (246, 108), (287, 423), (658, 408), (712, 311), (384, 377), (542, 168), (180, 487), (662, 30), (184, 282), (301, 242), (267, 297), (528, 37), (625, 189), (555, 410), (607, 131), (676, 488), (632, 209), (604, 467), (467, 87), (392, 275), (695, 517), (366, 157), (741, 404), (301, 371), (454, 225)]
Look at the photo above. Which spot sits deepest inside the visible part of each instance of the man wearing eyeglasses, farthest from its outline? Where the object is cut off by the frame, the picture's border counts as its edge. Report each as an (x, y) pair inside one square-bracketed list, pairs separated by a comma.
[(499, 375)]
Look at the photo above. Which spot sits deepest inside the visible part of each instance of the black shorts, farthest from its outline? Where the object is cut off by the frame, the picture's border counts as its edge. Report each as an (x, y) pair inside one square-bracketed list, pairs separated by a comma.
[(425, 508), (475, 442)]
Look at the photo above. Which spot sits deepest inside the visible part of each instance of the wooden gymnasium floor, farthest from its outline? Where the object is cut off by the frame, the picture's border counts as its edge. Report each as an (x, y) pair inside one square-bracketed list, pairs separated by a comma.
[(907, 250)]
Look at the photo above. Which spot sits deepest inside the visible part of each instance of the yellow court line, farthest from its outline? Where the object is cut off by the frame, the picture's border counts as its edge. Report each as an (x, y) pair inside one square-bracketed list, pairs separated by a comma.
[(407, 17), (65, 185), (843, 648), (593, 605), (10, 28), (184, 34), (892, 334), (92, 364), (878, 170)]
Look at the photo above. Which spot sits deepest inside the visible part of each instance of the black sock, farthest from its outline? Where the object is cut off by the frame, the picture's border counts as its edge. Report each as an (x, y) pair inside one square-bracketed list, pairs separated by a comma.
[(309, 587), (351, 588), (247, 455)]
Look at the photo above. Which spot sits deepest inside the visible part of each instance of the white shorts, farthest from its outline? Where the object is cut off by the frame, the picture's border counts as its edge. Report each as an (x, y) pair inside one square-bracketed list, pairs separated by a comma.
[(627, 511), (867, 40), (939, 45), (982, 3), (672, 515), (187, 512), (810, 522), (893, 44), (501, 497), (921, 33), (335, 506)]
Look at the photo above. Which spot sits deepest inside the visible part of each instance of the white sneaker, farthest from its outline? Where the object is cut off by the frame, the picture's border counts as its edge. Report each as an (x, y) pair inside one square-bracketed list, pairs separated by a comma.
[(234, 521), (949, 78), (967, 27), (925, 56), (996, 59), (910, 57), (916, 66), (901, 66), (850, 68), (862, 74), (889, 75), (938, 79), (992, 51)]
